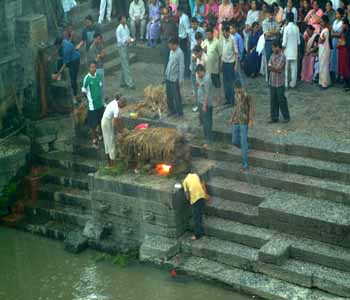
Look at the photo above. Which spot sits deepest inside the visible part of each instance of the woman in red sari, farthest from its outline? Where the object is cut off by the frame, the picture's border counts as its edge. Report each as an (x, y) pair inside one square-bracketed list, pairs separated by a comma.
[(343, 53)]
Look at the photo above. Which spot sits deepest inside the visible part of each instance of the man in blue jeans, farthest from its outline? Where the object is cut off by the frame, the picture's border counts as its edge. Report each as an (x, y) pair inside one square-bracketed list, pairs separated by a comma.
[(242, 117)]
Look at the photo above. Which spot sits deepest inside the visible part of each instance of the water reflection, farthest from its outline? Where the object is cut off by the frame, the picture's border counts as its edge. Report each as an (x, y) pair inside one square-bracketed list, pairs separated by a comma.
[(34, 268)]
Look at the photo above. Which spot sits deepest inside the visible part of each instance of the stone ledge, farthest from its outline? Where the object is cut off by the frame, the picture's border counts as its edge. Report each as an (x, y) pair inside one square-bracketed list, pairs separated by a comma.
[(276, 251)]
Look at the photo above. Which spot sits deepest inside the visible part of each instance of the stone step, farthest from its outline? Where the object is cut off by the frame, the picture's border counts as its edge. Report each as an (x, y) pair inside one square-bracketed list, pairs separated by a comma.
[(67, 160), (294, 183), (320, 253), (248, 235), (280, 162), (236, 211), (66, 178), (114, 65), (309, 275), (229, 253), (65, 196), (293, 144), (230, 189), (317, 219), (250, 283)]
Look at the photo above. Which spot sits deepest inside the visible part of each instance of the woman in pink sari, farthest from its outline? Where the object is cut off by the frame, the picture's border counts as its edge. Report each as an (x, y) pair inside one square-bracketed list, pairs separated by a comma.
[(211, 9), (225, 11), (307, 71), (313, 17), (324, 54)]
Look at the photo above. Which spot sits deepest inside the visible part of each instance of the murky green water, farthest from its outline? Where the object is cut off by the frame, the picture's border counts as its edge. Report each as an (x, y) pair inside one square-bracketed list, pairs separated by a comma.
[(35, 268)]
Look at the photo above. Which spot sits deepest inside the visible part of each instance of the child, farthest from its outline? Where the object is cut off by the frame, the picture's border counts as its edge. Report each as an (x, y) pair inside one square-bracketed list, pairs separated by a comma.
[(196, 194), (242, 117)]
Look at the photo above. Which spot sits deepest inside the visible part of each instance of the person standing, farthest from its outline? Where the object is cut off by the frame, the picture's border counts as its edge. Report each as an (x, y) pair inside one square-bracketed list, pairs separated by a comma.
[(196, 194), (168, 30), (291, 41), (276, 65), (313, 17), (253, 16), (87, 36), (211, 47), (324, 52), (174, 75), (96, 53), (191, 33), (240, 46), (337, 28), (253, 58), (110, 125), (242, 118), (198, 57), (229, 60), (309, 57), (123, 41), (105, 4), (153, 26), (92, 90), (184, 26), (205, 103), (137, 18), (271, 33), (70, 58)]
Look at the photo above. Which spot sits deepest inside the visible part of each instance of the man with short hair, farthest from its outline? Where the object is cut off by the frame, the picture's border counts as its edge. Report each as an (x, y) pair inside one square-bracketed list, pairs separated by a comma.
[(205, 102), (92, 90), (291, 41), (191, 33), (87, 36), (137, 14), (240, 47), (230, 62), (198, 57), (276, 67), (184, 26), (123, 41), (211, 47), (174, 75), (110, 125), (96, 53), (271, 31), (168, 30)]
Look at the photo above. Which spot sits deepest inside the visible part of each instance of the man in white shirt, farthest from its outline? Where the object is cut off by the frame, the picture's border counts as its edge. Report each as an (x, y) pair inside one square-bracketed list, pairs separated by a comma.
[(184, 26), (137, 18), (230, 63), (123, 41), (291, 41), (103, 5), (110, 125)]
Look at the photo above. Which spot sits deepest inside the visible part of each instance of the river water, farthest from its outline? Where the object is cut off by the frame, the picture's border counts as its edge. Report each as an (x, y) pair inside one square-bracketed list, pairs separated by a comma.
[(35, 268)]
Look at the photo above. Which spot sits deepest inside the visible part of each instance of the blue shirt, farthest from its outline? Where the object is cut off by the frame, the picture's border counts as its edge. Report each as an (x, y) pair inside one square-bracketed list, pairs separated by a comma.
[(69, 52), (240, 45), (192, 36), (201, 11)]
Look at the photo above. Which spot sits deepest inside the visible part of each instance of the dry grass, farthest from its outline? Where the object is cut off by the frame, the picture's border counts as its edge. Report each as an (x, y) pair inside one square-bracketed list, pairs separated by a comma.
[(154, 102), (161, 144), (80, 113)]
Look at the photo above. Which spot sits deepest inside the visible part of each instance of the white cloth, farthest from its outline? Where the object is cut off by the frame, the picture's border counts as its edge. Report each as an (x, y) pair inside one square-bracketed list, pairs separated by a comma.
[(68, 5), (291, 40), (123, 35), (252, 16), (111, 110), (137, 10), (261, 44), (109, 137), (103, 5), (292, 68), (184, 26), (335, 4)]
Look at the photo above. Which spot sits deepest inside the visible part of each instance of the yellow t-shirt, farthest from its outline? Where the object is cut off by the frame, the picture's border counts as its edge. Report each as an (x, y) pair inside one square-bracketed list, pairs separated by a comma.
[(192, 184)]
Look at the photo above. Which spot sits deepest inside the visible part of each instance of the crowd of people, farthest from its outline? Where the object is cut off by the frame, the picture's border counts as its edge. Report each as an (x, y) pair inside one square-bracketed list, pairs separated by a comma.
[(215, 44)]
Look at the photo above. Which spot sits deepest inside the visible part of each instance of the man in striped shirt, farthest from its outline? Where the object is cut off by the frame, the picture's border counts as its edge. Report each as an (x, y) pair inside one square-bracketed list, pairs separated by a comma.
[(92, 90)]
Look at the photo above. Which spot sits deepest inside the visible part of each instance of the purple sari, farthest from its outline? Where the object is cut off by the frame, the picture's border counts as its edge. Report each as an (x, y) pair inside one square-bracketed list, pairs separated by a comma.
[(153, 26)]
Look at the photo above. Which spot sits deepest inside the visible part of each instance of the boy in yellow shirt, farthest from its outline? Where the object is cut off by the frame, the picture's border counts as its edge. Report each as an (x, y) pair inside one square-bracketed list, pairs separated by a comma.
[(195, 193)]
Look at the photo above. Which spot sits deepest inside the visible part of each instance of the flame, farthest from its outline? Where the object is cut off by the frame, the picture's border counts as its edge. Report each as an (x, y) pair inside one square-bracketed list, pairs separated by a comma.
[(163, 169)]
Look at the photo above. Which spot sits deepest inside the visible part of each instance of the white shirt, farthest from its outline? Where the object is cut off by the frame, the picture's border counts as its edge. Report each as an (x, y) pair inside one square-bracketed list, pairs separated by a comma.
[(335, 4), (137, 10), (291, 40), (184, 26), (111, 110), (123, 35), (252, 16), (229, 49)]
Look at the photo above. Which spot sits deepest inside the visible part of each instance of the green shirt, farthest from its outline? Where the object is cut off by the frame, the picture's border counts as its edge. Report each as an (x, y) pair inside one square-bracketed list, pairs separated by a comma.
[(92, 86)]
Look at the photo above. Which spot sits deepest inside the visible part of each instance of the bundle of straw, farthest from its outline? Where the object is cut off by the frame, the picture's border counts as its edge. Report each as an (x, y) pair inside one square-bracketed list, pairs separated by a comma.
[(80, 114), (154, 102), (161, 144)]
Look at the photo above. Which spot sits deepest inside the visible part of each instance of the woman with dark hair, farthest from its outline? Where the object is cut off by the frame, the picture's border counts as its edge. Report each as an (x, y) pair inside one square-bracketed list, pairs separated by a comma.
[(253, 59), (343, 53), (314, 16), (309, 57), (324, 54), (337, 29)]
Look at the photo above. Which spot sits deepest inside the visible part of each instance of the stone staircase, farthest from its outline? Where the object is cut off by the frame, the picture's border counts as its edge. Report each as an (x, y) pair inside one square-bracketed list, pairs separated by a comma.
[(281, 230)]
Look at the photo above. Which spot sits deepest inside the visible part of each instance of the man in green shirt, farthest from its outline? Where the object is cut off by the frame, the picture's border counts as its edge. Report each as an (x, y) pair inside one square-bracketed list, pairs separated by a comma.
[(92, 90)]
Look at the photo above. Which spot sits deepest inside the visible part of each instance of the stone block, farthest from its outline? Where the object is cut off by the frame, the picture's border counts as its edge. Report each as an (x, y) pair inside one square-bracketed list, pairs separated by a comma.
[(158, 248), (75, 242), (276, 251)]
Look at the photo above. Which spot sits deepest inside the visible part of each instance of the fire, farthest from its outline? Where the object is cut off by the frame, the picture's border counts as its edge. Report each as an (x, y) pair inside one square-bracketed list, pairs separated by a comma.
[(163, 169)]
